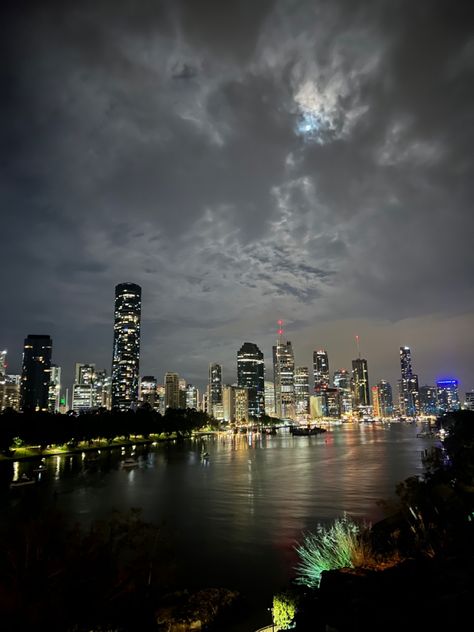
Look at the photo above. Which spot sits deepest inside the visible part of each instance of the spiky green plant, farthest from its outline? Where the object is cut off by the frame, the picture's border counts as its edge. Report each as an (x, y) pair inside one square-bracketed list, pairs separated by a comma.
[(336, 546)]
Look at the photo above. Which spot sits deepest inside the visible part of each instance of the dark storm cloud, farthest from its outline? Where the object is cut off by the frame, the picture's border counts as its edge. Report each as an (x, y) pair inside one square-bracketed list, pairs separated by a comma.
[(242, 161)]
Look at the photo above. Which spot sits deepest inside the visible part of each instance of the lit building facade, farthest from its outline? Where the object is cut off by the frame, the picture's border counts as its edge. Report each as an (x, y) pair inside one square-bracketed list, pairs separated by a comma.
[(192, 397), (36, 373), (11, 392), (251, 375), (83, 397), (126, 353), (320, 370), (447, 395), (360, 383), (284, 379), (428, 400), (270, 398), (408, 386), (469, 401), (302, 391), (148, 394), (385, 398), (342, 381), (215, 386), (172, 391), (54, 392)]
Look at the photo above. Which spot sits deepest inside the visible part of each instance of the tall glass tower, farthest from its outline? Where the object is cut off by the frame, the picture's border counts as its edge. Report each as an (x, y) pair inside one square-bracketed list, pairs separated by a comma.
[(126, 356), (284, 377), (360, 382), (320, 370), (408, 385), (36, 373), (215, 385), (251, 375)]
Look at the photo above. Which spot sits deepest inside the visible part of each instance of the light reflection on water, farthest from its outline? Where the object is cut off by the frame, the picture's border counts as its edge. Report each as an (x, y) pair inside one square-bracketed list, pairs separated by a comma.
[(235, 517)]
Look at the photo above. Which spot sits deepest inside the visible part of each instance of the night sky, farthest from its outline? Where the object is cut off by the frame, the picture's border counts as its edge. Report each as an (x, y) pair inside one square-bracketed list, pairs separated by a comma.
[(242, 161)]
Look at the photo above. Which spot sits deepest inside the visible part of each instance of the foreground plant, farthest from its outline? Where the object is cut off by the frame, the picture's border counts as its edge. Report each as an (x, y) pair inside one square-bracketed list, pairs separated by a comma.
[(341, 545)]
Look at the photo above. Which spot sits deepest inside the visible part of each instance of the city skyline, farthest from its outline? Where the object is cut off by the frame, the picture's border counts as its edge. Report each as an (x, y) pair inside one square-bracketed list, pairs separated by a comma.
[(307, 161)]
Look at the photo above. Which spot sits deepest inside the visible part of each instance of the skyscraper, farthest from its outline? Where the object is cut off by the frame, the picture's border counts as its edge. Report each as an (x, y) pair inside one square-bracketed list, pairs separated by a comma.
[(126, 355), (448, 396), (215, 387), (251, 375), (342, 381), (408, 386), (360, 383), (148, 394), (428, 400), (320, 370), (385, 398), (172, 398), (284, 372), (301, 391), (54, 393), (36, 372), (84, 373)]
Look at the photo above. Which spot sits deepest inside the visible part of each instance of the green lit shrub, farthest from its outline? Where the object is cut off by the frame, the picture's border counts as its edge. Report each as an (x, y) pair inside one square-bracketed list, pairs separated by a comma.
[(342, 545), (284, 611)]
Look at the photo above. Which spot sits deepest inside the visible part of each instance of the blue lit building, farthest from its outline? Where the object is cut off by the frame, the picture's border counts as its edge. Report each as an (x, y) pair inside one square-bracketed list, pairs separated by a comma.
[(447, 395)]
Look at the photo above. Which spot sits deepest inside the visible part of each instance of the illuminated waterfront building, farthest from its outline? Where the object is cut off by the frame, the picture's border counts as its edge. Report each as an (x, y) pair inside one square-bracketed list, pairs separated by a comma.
[(83, 397), (54, 391), (11, 392), (342, 381), (192, 397), (408, 386), (235, 404), (102, 389), (36, 372), (376, 402), (320, 370), (301, 391), (172, 390), (428, 400), (251, 375), (269, 398), (284, 377), (360, 383), (126, 354), (215, 387), (447, 395), (385, 398), (331, 404), (148, 394)]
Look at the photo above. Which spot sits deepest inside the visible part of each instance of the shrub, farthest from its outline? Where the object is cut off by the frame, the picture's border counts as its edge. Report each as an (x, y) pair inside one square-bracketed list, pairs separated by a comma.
[(284, 611), (342, 545)]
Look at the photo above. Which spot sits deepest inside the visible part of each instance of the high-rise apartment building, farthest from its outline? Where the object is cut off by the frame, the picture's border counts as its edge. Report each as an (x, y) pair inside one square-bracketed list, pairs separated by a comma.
[(360, 383), (270, 398), (342, 381), (385, 399), (302, 391), (320, 370), (148, 394), (84, 373), (448, 396), (172, 391), (251, 375), (428, 400), (284, 378), (215, 387), (126, 354), (192, 397), (36, 373), (54, 393), (408, 385)]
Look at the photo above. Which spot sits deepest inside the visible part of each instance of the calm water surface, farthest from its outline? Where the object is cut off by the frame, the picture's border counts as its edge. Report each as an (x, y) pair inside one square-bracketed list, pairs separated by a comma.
[(235, 519)]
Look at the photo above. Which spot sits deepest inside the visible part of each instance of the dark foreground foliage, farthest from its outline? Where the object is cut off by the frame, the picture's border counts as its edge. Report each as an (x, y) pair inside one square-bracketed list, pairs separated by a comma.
[(118, 574)]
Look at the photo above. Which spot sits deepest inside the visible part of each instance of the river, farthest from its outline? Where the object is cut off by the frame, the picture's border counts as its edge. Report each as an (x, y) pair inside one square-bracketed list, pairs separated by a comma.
[(234, 518)]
